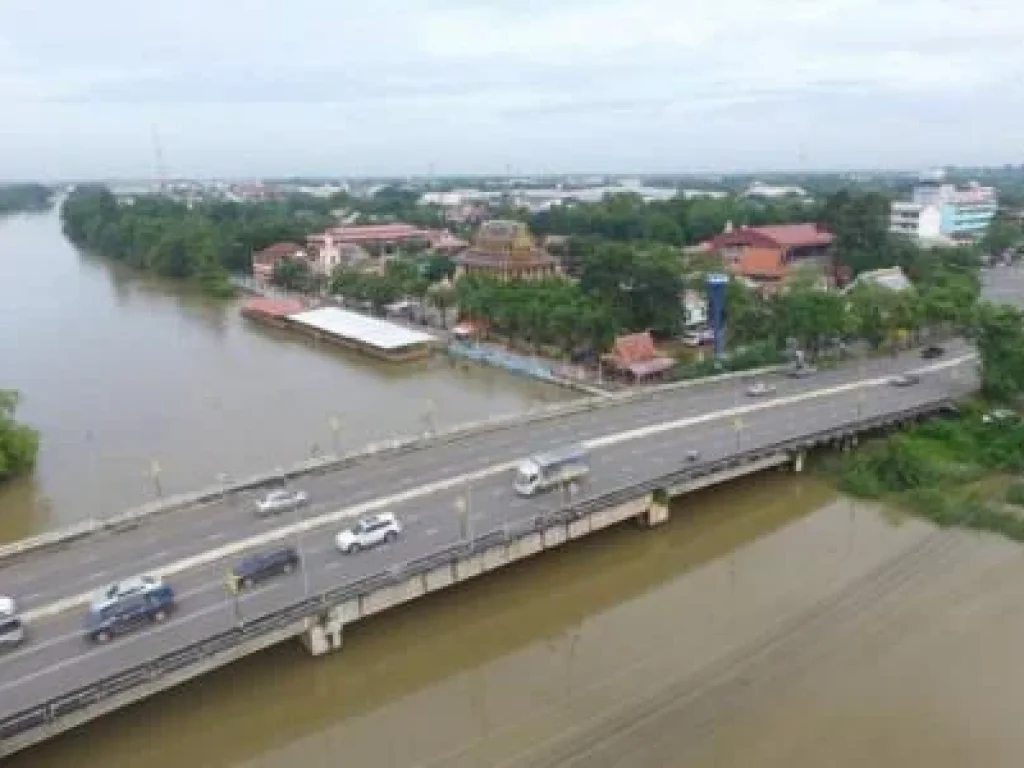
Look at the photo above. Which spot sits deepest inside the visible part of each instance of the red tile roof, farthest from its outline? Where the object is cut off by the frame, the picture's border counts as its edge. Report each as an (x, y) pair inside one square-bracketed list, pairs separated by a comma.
[(371, 232), (275, 252), (272, 307), (775, 235), (634, 348), (759, 263)]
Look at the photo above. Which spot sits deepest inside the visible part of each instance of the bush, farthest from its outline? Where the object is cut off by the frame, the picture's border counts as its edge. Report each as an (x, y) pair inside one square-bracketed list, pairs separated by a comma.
[(743, 359), (1015, 494)]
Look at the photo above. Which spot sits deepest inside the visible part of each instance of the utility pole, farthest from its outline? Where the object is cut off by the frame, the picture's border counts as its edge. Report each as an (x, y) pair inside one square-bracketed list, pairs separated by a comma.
[(158, 153)]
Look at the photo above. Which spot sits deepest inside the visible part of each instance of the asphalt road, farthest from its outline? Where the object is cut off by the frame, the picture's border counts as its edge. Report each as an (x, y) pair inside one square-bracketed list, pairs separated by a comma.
[(56, 659), (91, 563), (1004, 284)]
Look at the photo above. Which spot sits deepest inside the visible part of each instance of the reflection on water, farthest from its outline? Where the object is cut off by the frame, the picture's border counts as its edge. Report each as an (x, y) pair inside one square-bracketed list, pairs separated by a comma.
[(119, 369)]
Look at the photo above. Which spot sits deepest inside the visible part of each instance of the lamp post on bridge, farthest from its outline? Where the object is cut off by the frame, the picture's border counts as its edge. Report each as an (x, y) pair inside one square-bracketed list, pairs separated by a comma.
[(738, 425), (335, 424), (463, 510), (154, 474)]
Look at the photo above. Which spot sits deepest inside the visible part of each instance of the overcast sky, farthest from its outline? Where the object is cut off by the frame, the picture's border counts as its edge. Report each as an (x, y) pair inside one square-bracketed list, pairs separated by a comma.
[(280, 87)]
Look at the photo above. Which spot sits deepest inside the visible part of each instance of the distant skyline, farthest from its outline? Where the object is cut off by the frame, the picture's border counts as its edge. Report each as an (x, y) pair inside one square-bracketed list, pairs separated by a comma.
[(398, 87)]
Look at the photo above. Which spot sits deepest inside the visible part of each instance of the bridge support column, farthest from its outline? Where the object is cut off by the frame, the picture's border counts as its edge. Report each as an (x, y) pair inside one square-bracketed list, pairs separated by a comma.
[(656, 510), (325, 634), (798, 461)]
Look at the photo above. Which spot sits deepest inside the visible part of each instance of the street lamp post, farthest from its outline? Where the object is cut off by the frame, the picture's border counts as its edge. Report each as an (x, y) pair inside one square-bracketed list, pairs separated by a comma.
[(430, 416), (462, 508), (223, 478), (154, 473), (335, 424), (737, 424)]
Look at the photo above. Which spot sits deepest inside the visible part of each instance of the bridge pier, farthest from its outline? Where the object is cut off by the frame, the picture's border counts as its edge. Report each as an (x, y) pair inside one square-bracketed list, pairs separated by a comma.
[(656, 511), (798, 461), (325, 633)]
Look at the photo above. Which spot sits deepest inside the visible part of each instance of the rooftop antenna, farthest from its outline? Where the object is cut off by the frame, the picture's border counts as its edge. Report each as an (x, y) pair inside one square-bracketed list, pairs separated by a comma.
[(161, 171)]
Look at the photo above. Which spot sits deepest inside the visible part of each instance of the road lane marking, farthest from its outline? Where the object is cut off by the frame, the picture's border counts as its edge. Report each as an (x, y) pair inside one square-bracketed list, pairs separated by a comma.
[(461, 481)]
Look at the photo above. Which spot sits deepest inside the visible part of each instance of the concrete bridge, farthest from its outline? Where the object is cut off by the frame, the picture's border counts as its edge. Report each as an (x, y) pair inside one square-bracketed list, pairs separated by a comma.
[(461, 518)]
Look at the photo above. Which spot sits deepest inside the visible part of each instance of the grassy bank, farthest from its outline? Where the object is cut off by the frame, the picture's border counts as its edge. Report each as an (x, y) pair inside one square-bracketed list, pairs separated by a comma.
[(962, 472)]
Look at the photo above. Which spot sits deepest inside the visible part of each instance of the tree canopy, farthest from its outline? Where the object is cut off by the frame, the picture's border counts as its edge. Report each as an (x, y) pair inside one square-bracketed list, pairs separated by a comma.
[(15, 198), (19, 444)]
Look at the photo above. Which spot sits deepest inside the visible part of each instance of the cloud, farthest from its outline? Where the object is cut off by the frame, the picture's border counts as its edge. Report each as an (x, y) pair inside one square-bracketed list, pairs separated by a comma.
[(462, 82)]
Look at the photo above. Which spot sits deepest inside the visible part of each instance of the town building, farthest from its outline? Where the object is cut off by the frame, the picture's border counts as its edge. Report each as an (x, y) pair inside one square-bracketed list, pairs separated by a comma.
[(506, 250), (635, 358), (263, 262), (915, 220), (893, 278), (964, 212), (767, 255)]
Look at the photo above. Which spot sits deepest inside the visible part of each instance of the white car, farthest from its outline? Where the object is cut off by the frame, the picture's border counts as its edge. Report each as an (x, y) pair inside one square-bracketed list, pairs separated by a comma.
[(112, 593), (999, 415), (368, 532), (12, 632), (759, 389), (277, 502)]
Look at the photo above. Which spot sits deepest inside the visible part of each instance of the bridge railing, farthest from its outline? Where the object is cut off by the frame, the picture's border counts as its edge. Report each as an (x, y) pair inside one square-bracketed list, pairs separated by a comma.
[(250, 629)]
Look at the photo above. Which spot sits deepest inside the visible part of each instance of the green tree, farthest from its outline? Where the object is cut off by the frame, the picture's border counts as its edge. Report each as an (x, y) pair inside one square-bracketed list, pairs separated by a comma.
[(1001, 235), (291, 274), (19, 444), (999, 334), (442, 297)]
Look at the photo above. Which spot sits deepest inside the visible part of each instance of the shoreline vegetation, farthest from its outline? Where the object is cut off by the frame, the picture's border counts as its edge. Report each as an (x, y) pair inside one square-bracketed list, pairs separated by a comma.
[(24, 198), (965, 472), (19, 444)]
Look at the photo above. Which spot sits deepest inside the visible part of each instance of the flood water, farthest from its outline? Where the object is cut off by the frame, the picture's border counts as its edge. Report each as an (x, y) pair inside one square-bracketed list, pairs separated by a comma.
[(118, 370), (769, 624)]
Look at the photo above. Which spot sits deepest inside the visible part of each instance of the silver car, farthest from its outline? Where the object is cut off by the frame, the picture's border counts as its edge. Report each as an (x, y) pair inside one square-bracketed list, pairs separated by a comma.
[(12, 631), (277, 502), (760, 389)]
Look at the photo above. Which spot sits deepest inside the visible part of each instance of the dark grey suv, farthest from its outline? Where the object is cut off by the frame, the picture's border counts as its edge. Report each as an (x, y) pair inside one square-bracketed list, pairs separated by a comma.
[(263, 565)]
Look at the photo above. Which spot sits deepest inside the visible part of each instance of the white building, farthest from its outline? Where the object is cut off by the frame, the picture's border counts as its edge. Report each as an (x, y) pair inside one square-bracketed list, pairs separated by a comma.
[(915, 220), (757, 189), (965, 212)]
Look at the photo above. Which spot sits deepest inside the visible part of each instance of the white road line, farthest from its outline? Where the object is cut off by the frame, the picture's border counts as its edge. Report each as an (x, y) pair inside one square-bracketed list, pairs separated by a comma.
[(460, 481), (433, 531)]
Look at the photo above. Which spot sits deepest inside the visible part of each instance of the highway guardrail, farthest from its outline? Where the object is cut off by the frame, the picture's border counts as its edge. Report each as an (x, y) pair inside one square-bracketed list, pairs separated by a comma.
[(381, 449), (15, 724)]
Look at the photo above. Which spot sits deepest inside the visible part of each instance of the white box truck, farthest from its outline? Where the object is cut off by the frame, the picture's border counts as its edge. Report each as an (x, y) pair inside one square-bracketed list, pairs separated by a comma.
[(546, 470)]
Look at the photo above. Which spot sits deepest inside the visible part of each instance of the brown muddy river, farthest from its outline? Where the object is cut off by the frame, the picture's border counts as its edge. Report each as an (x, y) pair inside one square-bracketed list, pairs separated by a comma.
[(769, 624), (118, 370)]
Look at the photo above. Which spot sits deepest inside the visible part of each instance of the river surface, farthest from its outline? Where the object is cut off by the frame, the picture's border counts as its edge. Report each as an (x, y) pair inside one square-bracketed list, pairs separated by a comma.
[(119, 370), (770, 623)]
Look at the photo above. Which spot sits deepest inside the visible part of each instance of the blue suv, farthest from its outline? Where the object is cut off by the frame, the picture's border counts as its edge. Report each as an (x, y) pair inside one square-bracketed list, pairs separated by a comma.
[(128, 612)]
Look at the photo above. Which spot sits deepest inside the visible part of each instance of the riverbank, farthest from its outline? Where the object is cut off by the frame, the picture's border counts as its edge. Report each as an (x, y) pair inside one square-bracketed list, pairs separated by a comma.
[(19, 443), (966, 472)]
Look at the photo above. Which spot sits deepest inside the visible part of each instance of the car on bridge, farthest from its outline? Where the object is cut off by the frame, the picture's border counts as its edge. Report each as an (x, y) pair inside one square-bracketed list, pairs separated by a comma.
[(127, 612), (368, 532), (276, 502), (119, 590), (260, 566), (905, 380), (932, 351), (801, 371), (760, 389), (12, 631)]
